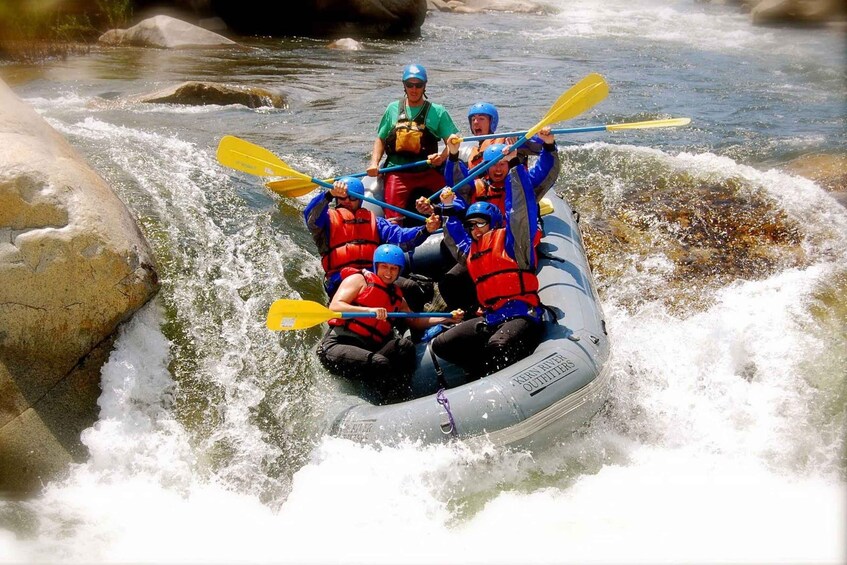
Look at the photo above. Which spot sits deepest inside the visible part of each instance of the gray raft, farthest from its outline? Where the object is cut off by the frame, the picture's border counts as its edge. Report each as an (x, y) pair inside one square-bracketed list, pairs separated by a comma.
[(553, 392)]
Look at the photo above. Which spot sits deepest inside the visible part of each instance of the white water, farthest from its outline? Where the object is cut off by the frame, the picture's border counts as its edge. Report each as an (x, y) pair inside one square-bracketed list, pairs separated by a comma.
[(721, 442)]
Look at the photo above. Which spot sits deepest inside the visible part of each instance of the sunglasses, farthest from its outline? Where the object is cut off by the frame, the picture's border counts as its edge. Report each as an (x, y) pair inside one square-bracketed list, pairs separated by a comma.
[(471, 224), (346, 198), (409, 84)]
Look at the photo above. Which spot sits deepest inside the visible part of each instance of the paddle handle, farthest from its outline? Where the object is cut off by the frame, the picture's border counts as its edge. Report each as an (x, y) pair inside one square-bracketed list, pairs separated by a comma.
[(373, 201), (398, 314)]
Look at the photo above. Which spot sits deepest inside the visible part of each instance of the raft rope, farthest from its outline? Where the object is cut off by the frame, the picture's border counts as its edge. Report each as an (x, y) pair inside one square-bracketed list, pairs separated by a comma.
[(441, 397)]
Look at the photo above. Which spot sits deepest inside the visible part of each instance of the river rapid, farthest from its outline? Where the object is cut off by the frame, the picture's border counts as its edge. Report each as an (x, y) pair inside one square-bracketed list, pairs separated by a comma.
[(723, 279)]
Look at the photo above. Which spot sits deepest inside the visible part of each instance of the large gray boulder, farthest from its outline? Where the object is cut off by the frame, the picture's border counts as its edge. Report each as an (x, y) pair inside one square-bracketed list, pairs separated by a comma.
[(332, 19), (73, 266), (164, 32)]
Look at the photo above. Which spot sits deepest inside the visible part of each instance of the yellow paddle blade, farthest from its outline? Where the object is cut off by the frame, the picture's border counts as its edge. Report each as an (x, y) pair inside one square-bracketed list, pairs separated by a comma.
[(287, 314), (250, 158), (577, 99), (671, 122), (293, 187), (545, 206)]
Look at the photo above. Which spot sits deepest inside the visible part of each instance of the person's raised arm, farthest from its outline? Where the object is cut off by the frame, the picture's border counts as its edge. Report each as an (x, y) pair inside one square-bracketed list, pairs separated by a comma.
[(545, 171), (316, 216), (521, 218)]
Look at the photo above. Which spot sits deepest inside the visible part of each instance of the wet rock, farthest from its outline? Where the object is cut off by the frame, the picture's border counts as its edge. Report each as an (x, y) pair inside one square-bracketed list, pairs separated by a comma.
[(194, 93), (164, 32), (346, 44), (807, 12), (73, 266), (476, 6), (830, 171)]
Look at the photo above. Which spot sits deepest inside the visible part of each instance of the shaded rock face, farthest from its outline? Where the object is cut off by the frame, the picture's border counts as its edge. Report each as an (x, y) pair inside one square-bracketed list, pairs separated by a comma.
[(164, 32), (324, 18), (73, 266), (803, 12)]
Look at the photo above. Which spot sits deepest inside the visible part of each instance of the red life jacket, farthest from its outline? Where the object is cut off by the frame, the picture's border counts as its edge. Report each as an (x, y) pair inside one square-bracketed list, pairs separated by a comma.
[(484, 191), (376, 294), (497, 276), (475, 157), (353, 238)]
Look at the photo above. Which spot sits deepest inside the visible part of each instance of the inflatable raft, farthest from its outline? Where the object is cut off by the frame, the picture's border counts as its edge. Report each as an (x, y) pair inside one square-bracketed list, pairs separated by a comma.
[(553, 392)]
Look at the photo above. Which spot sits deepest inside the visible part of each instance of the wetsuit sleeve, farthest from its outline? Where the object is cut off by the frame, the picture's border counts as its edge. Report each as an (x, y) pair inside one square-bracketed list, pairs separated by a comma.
[(521, 218), (455, 172), (404, 238), (533, 146), (460, 237), (545, 171), (316, 215)]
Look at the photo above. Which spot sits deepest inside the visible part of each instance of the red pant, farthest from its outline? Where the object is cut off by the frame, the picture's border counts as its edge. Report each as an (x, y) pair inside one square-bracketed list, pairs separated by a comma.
[(399, 187)]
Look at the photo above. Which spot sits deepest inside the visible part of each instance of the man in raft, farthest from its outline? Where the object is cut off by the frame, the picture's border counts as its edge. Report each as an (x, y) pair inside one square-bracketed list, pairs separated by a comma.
[(370, 349), (409, 131), (347, 235)]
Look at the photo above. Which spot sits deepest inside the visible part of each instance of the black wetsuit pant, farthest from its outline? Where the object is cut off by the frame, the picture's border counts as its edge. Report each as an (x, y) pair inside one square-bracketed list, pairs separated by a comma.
[(385, 370), (481, 349), (458, 290)]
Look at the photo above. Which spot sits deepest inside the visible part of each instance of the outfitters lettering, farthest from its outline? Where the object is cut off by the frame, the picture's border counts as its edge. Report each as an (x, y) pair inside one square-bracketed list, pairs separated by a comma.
[(357, 431), (544, 373)]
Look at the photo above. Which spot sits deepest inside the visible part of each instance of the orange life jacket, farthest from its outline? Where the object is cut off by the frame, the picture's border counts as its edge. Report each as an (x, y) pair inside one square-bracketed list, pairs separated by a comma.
[(475, 157), (376, 294), (484, 191), (497, 276), (353, 238)]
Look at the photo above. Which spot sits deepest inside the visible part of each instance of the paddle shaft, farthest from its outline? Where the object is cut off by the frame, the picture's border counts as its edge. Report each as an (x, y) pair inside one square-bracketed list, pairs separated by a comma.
[(398, 314), (373, 201), (256, 160), (481, 168), (393, 168), (517, 133), (610, 127)]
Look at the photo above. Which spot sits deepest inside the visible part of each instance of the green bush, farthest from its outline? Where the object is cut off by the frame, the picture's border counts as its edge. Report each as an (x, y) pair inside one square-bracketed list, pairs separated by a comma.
[(38, 30)]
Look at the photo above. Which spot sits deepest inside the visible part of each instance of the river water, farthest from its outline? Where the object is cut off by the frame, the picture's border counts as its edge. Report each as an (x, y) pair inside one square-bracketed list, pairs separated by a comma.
[(722, 277)]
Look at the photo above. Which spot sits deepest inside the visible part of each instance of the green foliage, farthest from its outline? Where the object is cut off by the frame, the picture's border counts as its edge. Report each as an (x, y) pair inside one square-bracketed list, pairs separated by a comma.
[(116, 12), (32, 30)]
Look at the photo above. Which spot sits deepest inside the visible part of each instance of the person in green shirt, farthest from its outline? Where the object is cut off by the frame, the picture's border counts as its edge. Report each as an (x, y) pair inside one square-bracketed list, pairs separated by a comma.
[(409, 131)]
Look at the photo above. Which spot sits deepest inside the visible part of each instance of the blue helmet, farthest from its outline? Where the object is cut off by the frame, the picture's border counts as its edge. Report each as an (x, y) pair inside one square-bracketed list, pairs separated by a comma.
[(354, 184), (485, 109), (414, 71), (485, 210), (391, 254), (493, 151)]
